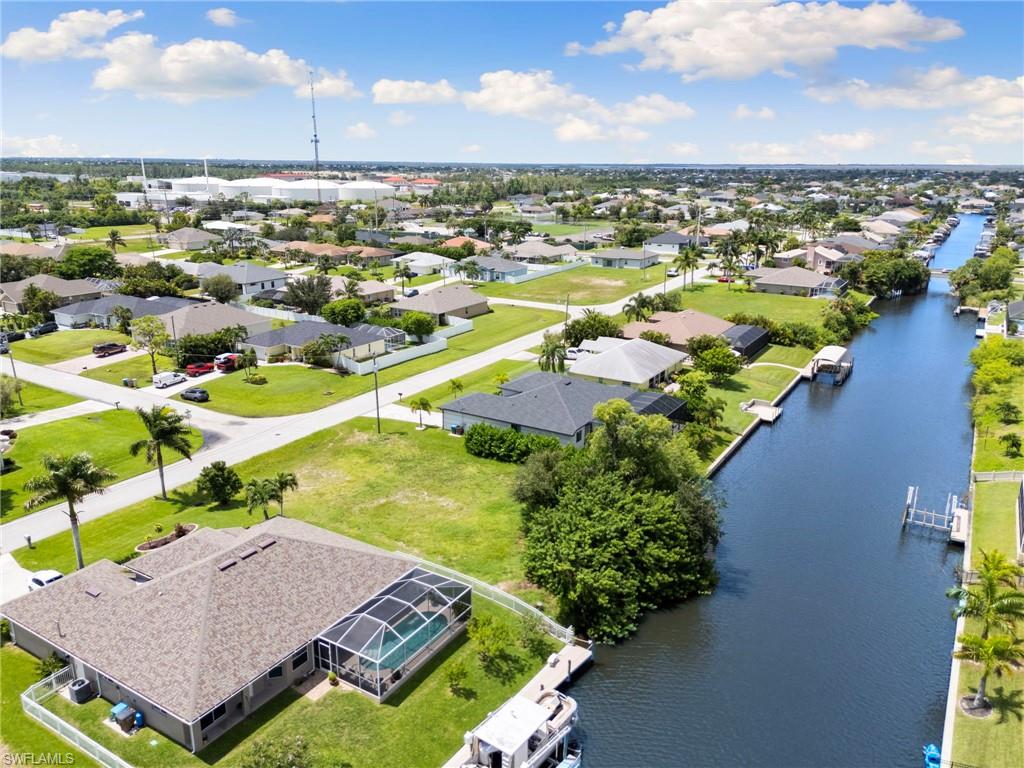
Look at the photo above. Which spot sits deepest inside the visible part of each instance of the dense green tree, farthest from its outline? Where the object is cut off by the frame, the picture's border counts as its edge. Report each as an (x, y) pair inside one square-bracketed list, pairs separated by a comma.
[(590, 325), (221, 288), (149, 333), (347, 312), (83, 261), (219, 482), (719, 363), (418, 324), (309, 293)]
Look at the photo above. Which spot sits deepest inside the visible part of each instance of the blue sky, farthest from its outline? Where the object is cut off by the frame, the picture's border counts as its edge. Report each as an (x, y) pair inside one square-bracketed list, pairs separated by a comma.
[(519, 82)]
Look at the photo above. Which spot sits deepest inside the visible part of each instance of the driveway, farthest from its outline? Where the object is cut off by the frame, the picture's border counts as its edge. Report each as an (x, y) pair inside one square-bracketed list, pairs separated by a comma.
[(89, 362), (54, 414)]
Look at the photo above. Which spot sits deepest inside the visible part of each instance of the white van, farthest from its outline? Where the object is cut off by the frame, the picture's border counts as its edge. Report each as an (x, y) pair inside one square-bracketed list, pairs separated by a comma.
[(168, 379)]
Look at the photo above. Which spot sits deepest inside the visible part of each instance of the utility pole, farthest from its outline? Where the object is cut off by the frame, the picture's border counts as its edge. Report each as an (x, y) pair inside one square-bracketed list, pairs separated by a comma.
[(315, 141), (14, 371), (376, 392)]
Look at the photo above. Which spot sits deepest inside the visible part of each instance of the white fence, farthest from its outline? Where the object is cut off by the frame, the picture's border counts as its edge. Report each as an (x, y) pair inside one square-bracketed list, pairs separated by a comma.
[(999, 477), (545, 272), (279, 314), (456, 325), (31, 702), (393, 358)]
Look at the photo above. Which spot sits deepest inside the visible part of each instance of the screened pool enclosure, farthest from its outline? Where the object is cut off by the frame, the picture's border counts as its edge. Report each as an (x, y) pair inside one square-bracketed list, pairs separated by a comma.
[(395, 631)]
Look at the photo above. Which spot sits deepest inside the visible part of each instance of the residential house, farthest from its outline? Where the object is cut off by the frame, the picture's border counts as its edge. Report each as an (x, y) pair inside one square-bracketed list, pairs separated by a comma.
[(364, 341), (210, 316), (12, 294), (425, 263), (881, 227), (553, 404), (373, 237), (671, 243), (714, 231), (857, 243), (632, 362), (190, 239), (494, 269), (679, 326), (32, 250), (539, 252), (622, 258), (817, 257), (100, 312), (370, 256), (198, 634), (462, 240), (441, 303), (375, 292), (795, 281), (249, 279), (337, 253)]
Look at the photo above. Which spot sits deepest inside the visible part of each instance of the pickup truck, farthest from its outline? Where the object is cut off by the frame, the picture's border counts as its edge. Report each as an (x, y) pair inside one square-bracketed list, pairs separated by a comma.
[(198, 369), (108, 348)]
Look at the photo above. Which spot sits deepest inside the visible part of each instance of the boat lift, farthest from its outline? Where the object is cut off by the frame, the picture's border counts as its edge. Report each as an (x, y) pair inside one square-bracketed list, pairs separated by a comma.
[(953, 519)]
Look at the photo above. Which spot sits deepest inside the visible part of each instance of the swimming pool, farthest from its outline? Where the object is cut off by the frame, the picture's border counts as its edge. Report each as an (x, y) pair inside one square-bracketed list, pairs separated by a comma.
[(411, 634)]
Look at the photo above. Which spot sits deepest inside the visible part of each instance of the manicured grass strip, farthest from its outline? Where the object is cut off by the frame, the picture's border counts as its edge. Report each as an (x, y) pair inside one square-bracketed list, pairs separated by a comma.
[(990, 454), (230, 394), (62, 345), (763, 383), (139, 368), (101, 233), (415, 491), (798, 357), (37, 398), (559, 230), (584, 285), (106, 436), (22, 734), (481, 380), (995, 519), (720, 299)]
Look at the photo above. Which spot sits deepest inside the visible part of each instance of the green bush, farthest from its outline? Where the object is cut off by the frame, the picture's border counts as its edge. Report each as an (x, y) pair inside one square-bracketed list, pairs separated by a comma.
[(257, 378), (51, 664), (507, 445)]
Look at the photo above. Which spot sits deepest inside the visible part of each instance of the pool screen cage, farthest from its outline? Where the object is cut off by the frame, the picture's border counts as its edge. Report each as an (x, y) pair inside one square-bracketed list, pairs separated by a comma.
[(394, 631)]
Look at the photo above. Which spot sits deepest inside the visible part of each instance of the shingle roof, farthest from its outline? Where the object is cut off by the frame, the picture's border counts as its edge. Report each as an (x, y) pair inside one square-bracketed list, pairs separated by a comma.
[(636, 361), (192, 235), (680, 326), (156, 305), (208, 317), (58, 285), (243, 274), (441, 300), (619, 253), (496, 264), (299, 333), (190, 638), (794, 276)]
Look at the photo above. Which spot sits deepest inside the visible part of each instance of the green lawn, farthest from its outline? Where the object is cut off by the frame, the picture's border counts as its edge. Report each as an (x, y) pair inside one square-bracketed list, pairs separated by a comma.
[(175, 255), (139, 368), (481, 380), (764, 383), (584, 285), (62, 345), (305, 392), (997, 741), (101, 233), (37, 398), (422, 724), (105, 435), (798, 357), (990, 455), (415, 491), (558, 230), (721, 299)]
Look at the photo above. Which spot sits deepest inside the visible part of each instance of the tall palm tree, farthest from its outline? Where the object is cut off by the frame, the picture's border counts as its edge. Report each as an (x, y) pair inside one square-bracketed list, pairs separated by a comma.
[(258, 495), (70, 478), (114, 239), (279, 484), (404, 272), (637, 308), (166, 429), (351, 289), (730, 265), (989, 601), (420, 405), (455, 387), (688, 260), (996, 655), (996, 565), (552, 353)]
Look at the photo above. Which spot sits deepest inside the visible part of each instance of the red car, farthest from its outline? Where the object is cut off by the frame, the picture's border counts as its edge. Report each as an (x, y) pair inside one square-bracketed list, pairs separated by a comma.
[(226, 362), (726, 280), (198, 369)]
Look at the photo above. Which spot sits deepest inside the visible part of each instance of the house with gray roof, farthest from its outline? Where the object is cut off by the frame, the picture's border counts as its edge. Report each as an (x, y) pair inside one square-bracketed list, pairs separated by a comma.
[(12, 294), (441, 303), (537, 251), (554, 405), (494, 269), (671, 243), (199, 633), (795, 281), (632, 362), (364, 340), (249, 279), (210, 316), (190, 239), (623, 258), (100, 312)]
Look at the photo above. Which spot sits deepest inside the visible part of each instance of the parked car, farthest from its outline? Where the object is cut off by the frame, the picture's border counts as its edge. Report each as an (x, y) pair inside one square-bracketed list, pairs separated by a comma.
[(108, 348), (672, 272), (410, 292), (227, 361), (198, 369), (168, 379), (726, 280), (13, 336), (40, 579), (4, 349), (572, 353), (196, 395), (43, 328)]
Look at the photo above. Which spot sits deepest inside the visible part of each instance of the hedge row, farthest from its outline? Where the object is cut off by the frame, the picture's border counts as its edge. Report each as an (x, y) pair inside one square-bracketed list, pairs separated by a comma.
[(489, 442)]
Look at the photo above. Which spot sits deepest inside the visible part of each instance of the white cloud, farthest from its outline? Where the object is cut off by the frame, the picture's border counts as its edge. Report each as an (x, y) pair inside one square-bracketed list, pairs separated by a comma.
[(575, 128), (767, 152), (737, 39), (683, 149), (743, 112), (855, 142), (651, 109), (360, 130), (472, 148), (38, 146), (413, 92), (951, 154), (819, 148), (74, 34), (995, 105), (223, 17), (399, 118), (330, 85)]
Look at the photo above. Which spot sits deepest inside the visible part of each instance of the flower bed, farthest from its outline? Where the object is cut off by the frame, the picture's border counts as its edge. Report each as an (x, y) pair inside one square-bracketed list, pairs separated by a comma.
[(174, 535)]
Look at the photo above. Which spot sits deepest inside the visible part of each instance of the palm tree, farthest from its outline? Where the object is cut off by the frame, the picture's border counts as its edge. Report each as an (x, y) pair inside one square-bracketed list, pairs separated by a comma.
[(114, 239), (455, 387), (324, 264), (471, 270), (688, 260), (730, 264), (70, 478), (637, 308), (166, 429), (988, 601), (552, 353), (996, 655), (420, 405), (403, 272), (278, 484), (351, 289), (258, 495), (500, 380)]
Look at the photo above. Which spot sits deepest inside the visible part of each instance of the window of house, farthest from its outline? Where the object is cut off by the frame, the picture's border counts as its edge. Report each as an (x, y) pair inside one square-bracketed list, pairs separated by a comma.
[(277, 671), (212, 716), (300, 658)]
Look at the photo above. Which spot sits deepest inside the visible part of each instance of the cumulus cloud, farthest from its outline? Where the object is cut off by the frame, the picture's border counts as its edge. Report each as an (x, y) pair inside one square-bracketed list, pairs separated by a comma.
[(330, 85), (819, 148), (472, 148), (399, 118), (413, 92), (38, 146), (950, 154), (767, 152), (683, 149), (360, 130), (743, 112), (652, 109), (995, 105), (735, 39), (74, 34), (855, 142), (223, 17)]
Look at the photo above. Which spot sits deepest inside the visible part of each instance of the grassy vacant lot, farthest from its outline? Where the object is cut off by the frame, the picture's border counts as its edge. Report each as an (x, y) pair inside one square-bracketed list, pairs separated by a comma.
[(797, 357), (105, 435), (422, 724), (415, 491), (576, 228), (762, 382), (36, 399), (584, 285), (62, 345), (990, 455), (721, 299), (503, 324), (481, 380), (997, 741), (139, 368), (101, 233)]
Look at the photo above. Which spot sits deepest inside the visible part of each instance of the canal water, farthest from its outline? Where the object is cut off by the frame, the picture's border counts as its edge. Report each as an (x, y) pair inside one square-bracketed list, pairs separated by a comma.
[(827, 642)]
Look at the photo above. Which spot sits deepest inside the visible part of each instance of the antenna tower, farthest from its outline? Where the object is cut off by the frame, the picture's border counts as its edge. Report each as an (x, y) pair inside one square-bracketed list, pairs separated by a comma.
[(315, 141)]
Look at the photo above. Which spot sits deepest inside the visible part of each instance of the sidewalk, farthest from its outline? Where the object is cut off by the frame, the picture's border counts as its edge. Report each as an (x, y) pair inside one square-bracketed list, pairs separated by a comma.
[(54, 414)]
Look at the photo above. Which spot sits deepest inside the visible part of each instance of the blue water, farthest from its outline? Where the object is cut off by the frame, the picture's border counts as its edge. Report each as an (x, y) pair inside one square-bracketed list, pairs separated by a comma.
[(827, 641)]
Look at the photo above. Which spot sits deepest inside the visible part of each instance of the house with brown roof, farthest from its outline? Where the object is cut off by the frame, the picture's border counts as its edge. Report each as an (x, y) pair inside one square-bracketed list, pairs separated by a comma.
[(68, 291), (211, 316), (679, 326), (461, 240), (441, 303), (199, 633), (795, 281)]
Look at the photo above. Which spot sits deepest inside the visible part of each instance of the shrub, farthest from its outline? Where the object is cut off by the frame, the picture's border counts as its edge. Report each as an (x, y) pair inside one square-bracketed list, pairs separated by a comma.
[(345, 312), (455, 674), (417, 324), (158, 528), (257, 378), (218, 481), (5, 631), (491, 638), (507, 445), (50, 665), (718, 362), (698, 345)]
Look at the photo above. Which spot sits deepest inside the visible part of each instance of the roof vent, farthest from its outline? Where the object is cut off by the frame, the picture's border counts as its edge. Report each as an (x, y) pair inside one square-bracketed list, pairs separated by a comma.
[(265, 543), (92, 592), (223, 566), (247, 553)]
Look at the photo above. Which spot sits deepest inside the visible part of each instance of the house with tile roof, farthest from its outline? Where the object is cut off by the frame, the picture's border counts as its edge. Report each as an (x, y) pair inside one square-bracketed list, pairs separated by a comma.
[(12, 294), (679, 326)]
